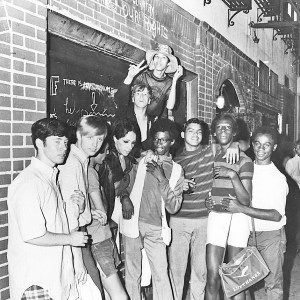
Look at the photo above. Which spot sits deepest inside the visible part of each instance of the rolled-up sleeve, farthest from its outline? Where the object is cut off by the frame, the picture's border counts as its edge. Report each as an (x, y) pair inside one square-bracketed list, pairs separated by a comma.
[(172, 198)]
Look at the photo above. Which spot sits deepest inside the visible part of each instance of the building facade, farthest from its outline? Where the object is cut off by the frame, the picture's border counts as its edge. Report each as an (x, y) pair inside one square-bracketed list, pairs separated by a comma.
[(65, 58)]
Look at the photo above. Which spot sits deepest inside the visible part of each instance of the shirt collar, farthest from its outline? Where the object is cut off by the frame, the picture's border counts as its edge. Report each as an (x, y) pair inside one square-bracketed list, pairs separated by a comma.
[(79, 153), (48, 172), (164, 158)]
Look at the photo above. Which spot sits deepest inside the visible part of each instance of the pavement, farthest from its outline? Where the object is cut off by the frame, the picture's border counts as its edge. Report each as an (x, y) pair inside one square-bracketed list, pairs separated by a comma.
[(291, 272)]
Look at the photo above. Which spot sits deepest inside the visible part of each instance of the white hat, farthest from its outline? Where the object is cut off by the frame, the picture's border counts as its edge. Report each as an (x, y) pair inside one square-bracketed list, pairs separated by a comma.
[(165, 50)]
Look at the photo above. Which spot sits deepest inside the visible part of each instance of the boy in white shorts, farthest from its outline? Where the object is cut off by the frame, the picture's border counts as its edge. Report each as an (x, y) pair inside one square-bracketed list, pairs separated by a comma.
[(230, 180)]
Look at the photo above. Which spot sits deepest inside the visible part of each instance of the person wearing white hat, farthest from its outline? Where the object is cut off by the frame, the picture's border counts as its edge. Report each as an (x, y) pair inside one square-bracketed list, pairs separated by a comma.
[(160, 63)]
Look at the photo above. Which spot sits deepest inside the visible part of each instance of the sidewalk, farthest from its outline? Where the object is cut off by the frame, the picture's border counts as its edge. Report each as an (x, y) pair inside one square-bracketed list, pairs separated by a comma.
[(291, 278)]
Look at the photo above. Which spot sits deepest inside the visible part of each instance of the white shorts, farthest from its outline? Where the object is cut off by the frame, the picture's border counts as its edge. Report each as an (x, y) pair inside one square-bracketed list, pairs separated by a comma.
[(218, 226)]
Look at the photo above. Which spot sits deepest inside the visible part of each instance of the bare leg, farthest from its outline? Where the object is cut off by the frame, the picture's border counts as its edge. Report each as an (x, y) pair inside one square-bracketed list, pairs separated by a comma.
[(214, 256), (114, 287), (232, 251)]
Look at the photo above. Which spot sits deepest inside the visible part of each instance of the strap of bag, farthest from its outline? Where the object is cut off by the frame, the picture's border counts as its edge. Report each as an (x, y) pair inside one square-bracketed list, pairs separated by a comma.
[(253, 234), (253, 231), (226, 239)]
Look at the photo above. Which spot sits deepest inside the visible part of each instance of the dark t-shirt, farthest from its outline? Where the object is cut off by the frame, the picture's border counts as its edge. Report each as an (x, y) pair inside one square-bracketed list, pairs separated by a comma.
[(160, 92)]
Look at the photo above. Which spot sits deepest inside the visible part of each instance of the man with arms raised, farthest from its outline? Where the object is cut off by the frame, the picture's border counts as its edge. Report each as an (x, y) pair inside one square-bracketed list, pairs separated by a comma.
[(39, 255)]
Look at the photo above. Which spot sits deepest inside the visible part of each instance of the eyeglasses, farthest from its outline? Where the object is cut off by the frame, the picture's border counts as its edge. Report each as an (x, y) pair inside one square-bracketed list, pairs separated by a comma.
[(162, 140)]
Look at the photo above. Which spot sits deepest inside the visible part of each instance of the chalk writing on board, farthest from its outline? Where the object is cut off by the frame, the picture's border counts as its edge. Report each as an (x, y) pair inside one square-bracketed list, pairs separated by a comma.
[(76, 98), (54, 80)]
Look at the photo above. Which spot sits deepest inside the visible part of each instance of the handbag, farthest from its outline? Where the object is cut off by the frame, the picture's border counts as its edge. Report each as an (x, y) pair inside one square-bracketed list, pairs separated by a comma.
[(244, 269)]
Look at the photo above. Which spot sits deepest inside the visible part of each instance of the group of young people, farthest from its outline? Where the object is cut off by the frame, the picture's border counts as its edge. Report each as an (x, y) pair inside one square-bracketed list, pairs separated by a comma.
[(61, 205)]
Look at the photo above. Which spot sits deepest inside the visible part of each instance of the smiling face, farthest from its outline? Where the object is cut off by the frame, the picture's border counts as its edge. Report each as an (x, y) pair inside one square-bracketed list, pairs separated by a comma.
[(141, 97), (263, 146), (224, 132), (193, 135), (53, 150), (160, 62), (162, 143), (89, 141), (125, 144)]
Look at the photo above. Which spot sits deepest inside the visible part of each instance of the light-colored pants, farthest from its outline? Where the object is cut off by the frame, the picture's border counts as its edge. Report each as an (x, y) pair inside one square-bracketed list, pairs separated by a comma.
[(188, 236), (150, 239), (272, 245)]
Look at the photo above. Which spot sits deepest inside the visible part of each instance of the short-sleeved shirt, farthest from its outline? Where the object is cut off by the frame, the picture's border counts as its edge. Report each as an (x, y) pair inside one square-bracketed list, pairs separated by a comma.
[(35, 207), (269, 191), (98, 232), (197, 164), (160, 87), (73, 176), (222, 186)]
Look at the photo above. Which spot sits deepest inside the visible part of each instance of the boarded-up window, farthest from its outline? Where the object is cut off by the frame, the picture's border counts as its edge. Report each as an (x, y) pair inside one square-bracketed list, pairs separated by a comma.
[(263, 77)]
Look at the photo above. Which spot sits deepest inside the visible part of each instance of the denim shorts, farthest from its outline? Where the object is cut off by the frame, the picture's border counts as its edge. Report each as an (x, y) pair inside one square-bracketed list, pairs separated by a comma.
[(106, 255)]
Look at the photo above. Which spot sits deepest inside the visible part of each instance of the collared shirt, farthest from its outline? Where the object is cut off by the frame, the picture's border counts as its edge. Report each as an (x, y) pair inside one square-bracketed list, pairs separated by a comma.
[(269, 191), (292, 167), (154, 191), (35, 207), (73, 176)]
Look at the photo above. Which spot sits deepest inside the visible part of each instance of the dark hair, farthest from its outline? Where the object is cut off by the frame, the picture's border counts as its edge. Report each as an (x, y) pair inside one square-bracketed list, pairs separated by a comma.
[(227, 117), (266, 130), (193, 121), (140, 87), (46, 127), (162, 125), (122, 126), (204, 127), (93, 121)]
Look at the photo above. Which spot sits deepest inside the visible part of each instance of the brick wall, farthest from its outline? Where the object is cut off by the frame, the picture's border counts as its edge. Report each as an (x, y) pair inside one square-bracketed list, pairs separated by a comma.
[(22, 98), (23, 25)]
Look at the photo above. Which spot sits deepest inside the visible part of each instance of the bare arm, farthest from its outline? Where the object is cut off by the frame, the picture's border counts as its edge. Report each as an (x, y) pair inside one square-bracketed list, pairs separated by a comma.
[(242, 188), (60, 239), (234, 206), (172, 96)]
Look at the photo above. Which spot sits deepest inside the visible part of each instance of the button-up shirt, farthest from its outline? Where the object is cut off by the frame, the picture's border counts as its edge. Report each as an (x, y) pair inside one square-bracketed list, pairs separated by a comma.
[(35, 207), (72, 177)]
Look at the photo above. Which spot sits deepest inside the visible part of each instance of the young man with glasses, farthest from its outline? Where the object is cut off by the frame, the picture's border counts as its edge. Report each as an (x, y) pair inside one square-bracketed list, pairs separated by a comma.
[(147, 195)]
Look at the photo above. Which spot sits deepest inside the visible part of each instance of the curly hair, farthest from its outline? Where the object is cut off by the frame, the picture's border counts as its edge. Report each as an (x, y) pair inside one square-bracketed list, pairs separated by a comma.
[(162, 125)]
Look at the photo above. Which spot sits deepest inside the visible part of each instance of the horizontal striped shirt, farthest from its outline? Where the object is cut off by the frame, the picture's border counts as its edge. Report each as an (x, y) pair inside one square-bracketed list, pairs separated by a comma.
[(222, 186), (196, 164)]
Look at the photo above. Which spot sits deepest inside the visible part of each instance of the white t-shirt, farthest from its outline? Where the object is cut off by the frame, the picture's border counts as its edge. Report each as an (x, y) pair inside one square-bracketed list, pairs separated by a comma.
[(269, 191), (34, 207)]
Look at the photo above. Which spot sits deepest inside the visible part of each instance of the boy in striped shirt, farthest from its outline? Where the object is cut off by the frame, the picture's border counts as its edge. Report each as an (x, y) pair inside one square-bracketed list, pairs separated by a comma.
[(224, 230), (189, 225)]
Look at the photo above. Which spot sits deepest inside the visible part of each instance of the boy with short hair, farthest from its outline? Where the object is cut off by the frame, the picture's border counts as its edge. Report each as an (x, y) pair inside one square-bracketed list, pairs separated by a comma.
[(151, 187), (39, 253), (224, 230), (268, 209), (189, 224), (90, 133)]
